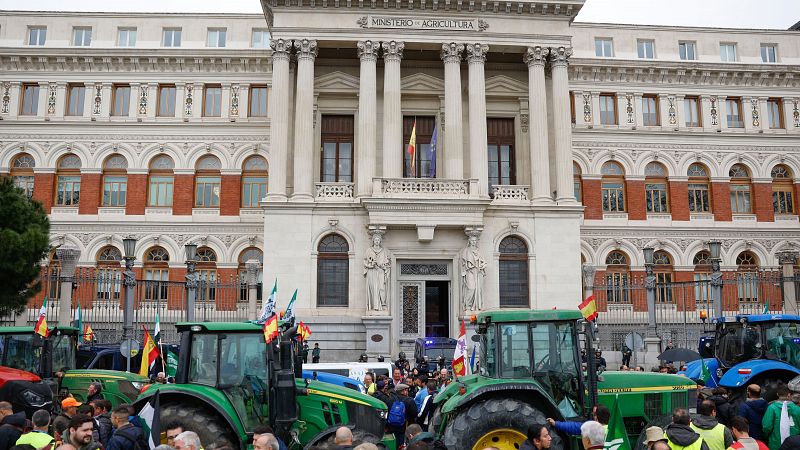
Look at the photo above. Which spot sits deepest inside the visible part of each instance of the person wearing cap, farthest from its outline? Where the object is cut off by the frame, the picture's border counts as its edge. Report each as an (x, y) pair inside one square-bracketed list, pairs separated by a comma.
[(69, 407), (653, 435), (11, 428), (381, 391), (401, 395)]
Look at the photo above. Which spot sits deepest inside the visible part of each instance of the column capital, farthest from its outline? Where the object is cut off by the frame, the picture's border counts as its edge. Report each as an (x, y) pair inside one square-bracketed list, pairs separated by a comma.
[(559, 56), (536, 56), (476, 53), (393, 50), (451, 52), (367, 51), (281, 48), (305, 48)]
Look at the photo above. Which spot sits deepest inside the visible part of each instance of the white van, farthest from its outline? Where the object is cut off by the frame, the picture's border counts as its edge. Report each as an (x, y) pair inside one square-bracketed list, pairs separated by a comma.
[(354, 370)]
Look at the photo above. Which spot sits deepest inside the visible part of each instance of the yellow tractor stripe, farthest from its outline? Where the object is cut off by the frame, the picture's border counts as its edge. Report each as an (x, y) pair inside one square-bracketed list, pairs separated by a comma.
[(646, 389), (337, 396)]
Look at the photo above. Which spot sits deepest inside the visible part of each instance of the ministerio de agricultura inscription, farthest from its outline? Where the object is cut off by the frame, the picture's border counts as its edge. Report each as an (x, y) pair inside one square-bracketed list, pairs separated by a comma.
[(431, 23)]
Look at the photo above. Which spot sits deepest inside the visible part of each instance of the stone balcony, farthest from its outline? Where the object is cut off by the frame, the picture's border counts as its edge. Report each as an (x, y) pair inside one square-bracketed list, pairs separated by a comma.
[(334, 192), (424, 188), (511, 194)]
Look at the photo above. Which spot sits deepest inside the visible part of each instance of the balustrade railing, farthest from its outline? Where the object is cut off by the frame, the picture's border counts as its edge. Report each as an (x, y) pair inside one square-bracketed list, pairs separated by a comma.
[(434, 188), (334, 191), (510, 193)]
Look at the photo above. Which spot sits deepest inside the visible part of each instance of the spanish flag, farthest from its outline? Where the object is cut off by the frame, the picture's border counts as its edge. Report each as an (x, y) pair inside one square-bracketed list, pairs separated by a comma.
[(41, 325), (304, 331), (271, 329), (589, 308), (412, 149), (149, 354), (88, 333)]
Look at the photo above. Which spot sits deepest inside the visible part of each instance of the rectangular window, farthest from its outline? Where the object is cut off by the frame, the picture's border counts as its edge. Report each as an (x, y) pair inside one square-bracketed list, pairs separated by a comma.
[(645, 48), (337, 149), (76, 96), (604, 47), (608, 109), (650, 111), (212, 101), (37, 35), (782, 198), (166, 101), (332, 281), (702, 289), (577, 189), (68, 191), (82, 36), (156, 283), (687, 50), (424, 155), (769, 53), (656, 197), (260, 38), (613, 196), (126, 37), (500, 134), (740, 199), (115, 189), (727, 52), (775, 113), (160, 194), (698, 198), (253, 190), (691, 111), (24, 182), (216, 37), (513, 271), (258, 101), (30, 100), (664, 287), (122, 99), (733, 108), (172, 37), (206, 192), (617, 287)]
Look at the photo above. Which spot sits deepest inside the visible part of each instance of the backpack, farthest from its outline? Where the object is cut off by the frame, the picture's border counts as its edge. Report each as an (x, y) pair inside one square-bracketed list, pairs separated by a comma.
[(397, 413), (141, 441)]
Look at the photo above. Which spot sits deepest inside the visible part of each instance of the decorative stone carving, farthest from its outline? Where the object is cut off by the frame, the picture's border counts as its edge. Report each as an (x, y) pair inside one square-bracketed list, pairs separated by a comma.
[(587, 108), (473, 272), (536, 56), (796, 112), (482, 25), (755, 114), (671, 113), (714, 115), (6, 97), (377, 268), (362, 22), (52, 92), (252, 266), (393, 50), (451, 53), (98, 99), (560, 55), (476, 53), (367, 50), (787, 258), (306, 48), (511, 192), (629, 109), (68, 257), (334, 191), (523, 122), (188, 100), (143, 97), (588, 275), (234, 111)]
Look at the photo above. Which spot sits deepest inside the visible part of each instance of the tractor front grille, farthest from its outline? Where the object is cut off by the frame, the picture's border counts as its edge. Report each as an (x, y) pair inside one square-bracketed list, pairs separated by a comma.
[(366, 419)]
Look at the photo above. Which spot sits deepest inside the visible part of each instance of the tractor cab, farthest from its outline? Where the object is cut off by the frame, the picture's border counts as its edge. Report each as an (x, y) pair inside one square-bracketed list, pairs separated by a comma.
[(764, 336)]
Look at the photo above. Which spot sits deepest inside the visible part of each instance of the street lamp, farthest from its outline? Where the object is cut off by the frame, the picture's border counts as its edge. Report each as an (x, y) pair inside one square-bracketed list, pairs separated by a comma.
[(191, 280), (650, 291), (129, 280), (191, 252), (714, 247), (648, 255)]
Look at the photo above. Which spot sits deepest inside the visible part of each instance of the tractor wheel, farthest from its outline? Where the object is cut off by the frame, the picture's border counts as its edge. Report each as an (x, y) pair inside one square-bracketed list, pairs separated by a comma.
[(207, 425), (496, 422)]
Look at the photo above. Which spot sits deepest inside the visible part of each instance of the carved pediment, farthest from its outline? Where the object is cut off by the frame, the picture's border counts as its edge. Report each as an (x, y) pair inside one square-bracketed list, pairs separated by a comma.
[(421, 83), (336, 82), (503, 85)]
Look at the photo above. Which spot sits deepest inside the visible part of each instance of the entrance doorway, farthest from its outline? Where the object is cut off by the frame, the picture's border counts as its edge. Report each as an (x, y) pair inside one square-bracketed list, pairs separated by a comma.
[(437, 311)]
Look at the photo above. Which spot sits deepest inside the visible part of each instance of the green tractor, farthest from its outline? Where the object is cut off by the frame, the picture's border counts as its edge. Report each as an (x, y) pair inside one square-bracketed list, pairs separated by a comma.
[(229, 382), (35, 370), (530, 369)]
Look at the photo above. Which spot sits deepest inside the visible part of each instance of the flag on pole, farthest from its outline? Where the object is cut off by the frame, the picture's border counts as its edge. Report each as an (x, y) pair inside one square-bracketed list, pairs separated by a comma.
[(157, 331), (432, 154), (766, 307), (41, 324), (271, 329), (88, 333), (616, 436), (289, 314), (77, 321), (705, 374), (472, 358), (172, 363), (149, 354), (304, 331), (412, 149), (460, 354), (150, 416), (269, 304), (589, 308)]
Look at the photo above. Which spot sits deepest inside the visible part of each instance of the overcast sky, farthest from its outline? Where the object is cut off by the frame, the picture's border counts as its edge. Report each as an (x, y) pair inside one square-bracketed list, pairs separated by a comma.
[(775, 14)]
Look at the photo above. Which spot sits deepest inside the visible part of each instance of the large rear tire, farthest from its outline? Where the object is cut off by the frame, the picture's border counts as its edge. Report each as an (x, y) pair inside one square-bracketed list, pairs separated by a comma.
[(499, 422), (213, 431)]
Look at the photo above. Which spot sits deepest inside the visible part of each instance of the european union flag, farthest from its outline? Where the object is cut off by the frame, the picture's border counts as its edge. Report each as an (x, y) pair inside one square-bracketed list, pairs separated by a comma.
[(432, 155)]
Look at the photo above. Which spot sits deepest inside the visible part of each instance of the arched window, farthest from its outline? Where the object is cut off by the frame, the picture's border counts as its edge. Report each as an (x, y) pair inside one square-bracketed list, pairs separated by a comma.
[(662, 269), (22, 172), (207, 182), (702, 278), (513, 273), (655, 188), (207, 274), (577, 185), (109, 273), (68, 175), (115, 180), (333, 271), (246, 255), (156, 274), (747, 276), (613, 187), (782, 190), (741, 188), (699, 198), (617, 277), (161, 181), (254, 181)]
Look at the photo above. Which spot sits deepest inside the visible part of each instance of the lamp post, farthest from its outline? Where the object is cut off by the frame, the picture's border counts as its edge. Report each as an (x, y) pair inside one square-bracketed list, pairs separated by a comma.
[(714, 248), (129, 281), (650, 289), (191, 280)]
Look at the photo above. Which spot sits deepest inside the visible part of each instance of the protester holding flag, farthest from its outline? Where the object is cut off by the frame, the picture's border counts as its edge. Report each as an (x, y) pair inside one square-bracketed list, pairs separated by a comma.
[(150, 418)]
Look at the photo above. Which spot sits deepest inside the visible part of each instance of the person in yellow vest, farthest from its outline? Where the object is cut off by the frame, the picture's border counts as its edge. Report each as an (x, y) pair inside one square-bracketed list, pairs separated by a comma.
[(680, 435), (715, 434), (38, 437)]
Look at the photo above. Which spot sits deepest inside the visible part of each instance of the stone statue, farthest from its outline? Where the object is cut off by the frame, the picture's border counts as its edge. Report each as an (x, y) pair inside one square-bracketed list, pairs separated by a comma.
[(473, 271), (377, 267)]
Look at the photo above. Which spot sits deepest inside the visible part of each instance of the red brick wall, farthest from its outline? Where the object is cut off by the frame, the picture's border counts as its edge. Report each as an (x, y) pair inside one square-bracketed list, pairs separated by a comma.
[(684, 295), (226, 296), (679, 200), (592, 199), (636, 202), (637, 297), (43, 189), (183, 195), (230, 195), (90, 193), (721, 201), (796, 198), (176, 295), (762, 202), (137, 194)]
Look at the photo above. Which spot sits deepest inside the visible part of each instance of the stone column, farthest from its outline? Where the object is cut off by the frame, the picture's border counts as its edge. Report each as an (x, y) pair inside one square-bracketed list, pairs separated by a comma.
[(453, 137), (68, 256), (367, 115), (535, 58), (59, 106), (106, 97), (392, 110), (303, 120), (787, 260), (279, 118), (561, 124), (479, 165), (252, 266)]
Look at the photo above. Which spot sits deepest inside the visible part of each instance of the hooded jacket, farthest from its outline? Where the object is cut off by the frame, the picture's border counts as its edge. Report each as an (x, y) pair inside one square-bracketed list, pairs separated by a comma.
[(753, 411), (11, 429), (124, 438), (102, 429), (706, 426), (725, 410), (680, 436)]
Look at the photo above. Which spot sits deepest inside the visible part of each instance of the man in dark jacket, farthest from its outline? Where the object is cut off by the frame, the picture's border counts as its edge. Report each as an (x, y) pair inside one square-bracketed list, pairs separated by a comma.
[(401, 394), (680, 435), (94, 392), (102, 421), (753, 410), (725, 410), (126, 434), (715, 434), (11, 429)]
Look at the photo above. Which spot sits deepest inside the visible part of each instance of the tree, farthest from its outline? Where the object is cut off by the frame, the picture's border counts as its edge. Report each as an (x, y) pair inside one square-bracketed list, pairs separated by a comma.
[(24, 231)]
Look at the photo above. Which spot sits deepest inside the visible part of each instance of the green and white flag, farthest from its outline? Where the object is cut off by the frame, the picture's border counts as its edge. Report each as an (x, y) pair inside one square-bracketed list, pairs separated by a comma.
[(705, 374), (616, 436), (172, 363), (77, 322), (289, 314), (269, 305), (150, 417)]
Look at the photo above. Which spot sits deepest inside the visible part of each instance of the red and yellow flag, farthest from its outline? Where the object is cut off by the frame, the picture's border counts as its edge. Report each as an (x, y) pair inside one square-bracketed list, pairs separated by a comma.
[(412, 149), (589, 308), (88, 333), (303, 331), (271, 329), (460, 353), (41, 324), (149, 354)]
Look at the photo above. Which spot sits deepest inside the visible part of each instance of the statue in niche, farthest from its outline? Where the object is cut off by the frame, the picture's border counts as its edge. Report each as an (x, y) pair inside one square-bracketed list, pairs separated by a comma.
[(377, 267), (473, 271)]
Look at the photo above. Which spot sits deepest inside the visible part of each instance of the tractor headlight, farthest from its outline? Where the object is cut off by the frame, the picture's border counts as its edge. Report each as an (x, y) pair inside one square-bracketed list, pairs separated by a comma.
[(33, 399), (384, 414), (138, 385)]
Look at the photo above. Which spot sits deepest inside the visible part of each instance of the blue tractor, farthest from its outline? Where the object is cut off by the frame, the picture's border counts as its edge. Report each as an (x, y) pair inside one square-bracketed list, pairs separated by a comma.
[(758, 348)]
